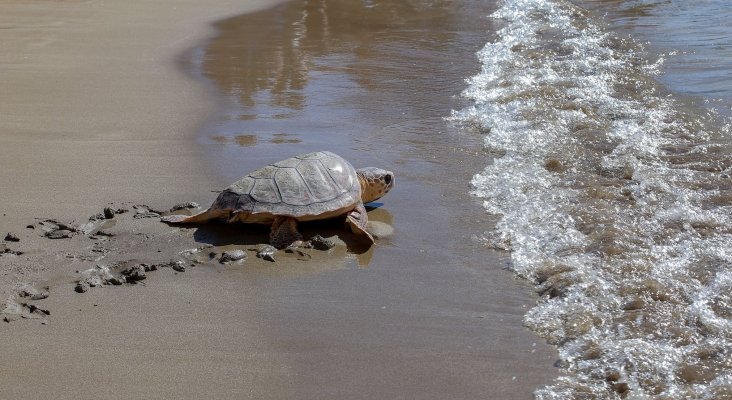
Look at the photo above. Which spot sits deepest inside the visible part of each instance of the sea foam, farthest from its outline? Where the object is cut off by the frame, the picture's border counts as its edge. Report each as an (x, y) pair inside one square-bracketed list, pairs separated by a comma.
[(614, 201)]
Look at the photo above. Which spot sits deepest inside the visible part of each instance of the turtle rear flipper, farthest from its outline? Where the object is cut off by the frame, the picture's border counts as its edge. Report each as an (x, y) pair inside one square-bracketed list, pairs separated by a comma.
[(284, 232), (357, 220), (195, 219)]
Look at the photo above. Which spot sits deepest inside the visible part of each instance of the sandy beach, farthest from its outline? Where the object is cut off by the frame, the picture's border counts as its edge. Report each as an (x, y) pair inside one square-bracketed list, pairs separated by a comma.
[(95, 108), (140, 106)]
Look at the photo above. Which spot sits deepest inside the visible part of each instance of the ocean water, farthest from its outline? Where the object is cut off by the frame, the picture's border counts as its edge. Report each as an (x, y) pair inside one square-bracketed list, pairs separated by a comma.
[(607, 127)]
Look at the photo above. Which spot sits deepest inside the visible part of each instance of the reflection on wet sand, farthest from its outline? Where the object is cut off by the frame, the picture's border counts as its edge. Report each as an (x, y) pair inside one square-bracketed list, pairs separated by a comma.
[(246, 140), (279, 138), (692, 38), (251, 140), (268, 66)]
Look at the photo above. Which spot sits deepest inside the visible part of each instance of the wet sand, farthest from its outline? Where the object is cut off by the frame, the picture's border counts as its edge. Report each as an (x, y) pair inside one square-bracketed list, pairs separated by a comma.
[(434, 314), (426, 313)]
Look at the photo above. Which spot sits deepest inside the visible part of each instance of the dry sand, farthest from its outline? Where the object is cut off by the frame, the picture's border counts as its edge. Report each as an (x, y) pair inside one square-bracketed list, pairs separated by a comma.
[(96, 111)]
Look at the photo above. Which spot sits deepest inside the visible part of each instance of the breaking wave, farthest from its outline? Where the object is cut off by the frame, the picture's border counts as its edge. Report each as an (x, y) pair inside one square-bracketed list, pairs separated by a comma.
[(614, 200)]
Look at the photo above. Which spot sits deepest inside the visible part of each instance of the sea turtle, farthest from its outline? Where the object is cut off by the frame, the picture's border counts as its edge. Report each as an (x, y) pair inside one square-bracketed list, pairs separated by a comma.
[(307, 187)]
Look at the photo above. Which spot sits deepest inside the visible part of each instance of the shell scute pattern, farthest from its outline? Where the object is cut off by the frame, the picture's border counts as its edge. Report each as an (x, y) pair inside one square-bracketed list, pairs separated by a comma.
[(309, 184), (320, 208), (265, 191), (343, 174), (244, 202), (242, 186), (227, 200), (314, 156), (292, 187), (264, 173), (288, 163), (321, 185)]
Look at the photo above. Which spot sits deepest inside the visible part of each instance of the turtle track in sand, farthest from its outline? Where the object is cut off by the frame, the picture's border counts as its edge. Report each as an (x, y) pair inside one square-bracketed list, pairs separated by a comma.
[(126, 245)]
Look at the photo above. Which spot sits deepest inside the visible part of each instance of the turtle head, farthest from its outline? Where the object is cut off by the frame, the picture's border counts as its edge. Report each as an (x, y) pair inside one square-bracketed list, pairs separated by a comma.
[(375, 182)]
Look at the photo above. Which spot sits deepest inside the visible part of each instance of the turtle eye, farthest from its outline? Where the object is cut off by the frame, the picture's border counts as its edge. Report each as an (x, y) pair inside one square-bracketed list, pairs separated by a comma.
[(387, 179)]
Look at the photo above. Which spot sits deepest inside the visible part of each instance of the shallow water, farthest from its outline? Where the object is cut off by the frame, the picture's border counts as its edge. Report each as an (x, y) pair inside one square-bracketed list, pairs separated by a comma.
[(613, 187), (693, 38)]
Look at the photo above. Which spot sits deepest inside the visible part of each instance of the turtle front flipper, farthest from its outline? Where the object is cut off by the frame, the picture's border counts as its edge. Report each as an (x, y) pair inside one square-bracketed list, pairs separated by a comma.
[(284, 232), (357, 220)]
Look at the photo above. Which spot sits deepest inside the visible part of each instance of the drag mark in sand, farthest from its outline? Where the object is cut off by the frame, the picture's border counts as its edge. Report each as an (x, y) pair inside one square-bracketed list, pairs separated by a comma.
[(127, 244)]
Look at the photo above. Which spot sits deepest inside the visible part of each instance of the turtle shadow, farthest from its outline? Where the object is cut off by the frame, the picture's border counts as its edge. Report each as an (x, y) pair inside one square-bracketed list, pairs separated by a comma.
[(223, 234), (373, 205)]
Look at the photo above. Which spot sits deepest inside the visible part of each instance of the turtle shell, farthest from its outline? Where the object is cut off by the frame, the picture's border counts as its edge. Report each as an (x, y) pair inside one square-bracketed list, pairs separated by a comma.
[(304, 186)]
